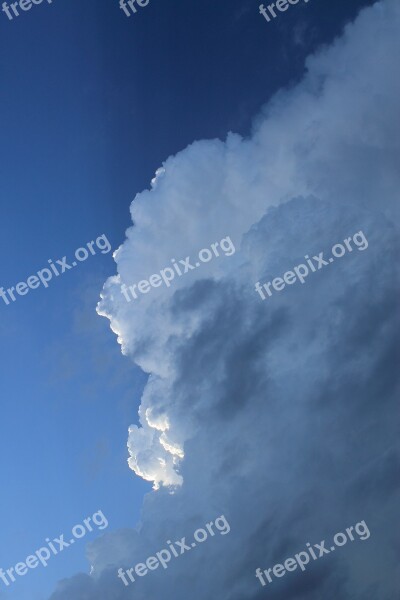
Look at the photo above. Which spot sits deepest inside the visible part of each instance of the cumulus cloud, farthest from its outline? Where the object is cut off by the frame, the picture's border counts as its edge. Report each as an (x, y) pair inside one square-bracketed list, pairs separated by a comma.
[(279, 414)]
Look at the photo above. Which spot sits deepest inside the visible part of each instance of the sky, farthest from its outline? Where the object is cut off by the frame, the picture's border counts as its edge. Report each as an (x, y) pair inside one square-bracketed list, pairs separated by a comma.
[(198, 122)]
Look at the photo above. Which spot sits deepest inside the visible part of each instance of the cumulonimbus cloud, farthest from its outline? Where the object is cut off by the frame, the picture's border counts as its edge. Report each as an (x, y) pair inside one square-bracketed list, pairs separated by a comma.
[(279, 414)]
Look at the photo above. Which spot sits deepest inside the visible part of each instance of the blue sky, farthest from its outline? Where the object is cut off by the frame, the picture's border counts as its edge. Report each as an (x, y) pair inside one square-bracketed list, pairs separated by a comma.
[(92, 103)]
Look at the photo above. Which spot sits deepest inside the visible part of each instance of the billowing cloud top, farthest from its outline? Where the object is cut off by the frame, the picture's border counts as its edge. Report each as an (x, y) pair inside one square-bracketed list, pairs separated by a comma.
[(280, 413)]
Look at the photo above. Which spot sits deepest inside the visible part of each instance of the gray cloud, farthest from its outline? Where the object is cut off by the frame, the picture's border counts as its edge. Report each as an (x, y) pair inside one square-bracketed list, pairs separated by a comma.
[(285, 409)]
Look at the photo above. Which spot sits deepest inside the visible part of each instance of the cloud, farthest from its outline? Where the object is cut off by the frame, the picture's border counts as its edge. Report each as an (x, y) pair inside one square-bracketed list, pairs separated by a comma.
[(279, 414)]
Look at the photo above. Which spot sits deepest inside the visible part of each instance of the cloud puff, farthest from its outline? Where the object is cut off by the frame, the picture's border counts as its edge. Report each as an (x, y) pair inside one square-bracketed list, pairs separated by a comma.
[(279, 414)]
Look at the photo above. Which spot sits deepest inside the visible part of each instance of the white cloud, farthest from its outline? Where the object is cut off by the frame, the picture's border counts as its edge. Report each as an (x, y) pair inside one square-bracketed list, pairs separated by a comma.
[(278, 414)]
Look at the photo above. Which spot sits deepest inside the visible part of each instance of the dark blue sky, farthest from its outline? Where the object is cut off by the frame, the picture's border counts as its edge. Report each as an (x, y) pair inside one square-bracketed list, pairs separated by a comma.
[(91, 104)]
